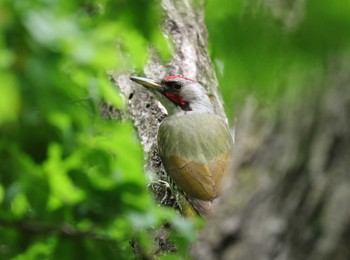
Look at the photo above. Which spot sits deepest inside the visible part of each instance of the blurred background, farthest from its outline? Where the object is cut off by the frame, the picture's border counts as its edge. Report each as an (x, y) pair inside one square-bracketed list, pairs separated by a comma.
[(72, 184)]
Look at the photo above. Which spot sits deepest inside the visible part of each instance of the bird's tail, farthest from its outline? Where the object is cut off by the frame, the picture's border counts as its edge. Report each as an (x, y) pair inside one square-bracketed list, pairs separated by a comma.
[(192, 207)]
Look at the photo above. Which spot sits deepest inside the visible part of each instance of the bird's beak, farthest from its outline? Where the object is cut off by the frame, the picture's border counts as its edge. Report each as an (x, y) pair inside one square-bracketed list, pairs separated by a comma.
[(148, 83)]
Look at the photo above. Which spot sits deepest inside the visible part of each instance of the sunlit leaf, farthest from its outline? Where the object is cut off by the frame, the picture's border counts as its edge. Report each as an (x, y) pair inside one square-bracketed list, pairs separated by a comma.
[(9, 98)]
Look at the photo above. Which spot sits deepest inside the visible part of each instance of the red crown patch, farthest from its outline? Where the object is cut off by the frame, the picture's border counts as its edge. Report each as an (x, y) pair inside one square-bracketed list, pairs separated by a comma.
[(177, 77)]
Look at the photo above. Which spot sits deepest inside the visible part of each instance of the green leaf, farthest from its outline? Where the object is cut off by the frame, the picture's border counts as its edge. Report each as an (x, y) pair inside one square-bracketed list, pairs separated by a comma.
[(9, 98)]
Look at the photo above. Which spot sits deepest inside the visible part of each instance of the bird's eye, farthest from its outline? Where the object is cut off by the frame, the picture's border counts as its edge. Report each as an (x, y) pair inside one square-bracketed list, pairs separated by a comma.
[(177, 86)]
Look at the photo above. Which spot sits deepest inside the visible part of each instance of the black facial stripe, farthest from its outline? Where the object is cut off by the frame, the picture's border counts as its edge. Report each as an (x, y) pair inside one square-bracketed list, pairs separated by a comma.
[(173, 86)]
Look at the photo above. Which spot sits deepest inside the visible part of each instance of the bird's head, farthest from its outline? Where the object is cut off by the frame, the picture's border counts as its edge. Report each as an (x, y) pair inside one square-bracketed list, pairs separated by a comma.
[(185, 95)]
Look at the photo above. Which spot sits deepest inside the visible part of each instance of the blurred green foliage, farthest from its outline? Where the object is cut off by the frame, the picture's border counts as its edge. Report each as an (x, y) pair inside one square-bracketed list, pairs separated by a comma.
[(270, 49), (72, 184)]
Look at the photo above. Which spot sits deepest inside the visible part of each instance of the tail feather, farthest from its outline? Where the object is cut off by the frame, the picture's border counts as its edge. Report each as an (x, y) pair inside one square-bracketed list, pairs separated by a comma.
[(203, 207)]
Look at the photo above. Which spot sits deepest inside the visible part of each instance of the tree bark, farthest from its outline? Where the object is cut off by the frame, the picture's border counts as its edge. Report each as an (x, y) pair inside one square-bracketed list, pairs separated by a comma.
[(289, 193), (184, 25)]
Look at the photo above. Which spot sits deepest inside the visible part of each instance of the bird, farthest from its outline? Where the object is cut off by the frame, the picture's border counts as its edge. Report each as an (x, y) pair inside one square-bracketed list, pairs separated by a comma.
[(194, 143)]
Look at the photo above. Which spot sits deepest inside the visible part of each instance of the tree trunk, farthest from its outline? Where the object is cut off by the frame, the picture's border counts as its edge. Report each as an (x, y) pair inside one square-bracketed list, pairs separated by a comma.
[(289, 192), (184, 24)]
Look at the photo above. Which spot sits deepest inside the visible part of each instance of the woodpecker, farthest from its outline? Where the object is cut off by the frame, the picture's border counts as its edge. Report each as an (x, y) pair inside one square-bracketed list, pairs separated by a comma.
[(194, 143)]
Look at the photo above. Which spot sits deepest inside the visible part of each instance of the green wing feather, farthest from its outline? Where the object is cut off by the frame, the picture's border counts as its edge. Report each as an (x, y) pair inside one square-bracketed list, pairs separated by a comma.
[(195, 149)]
